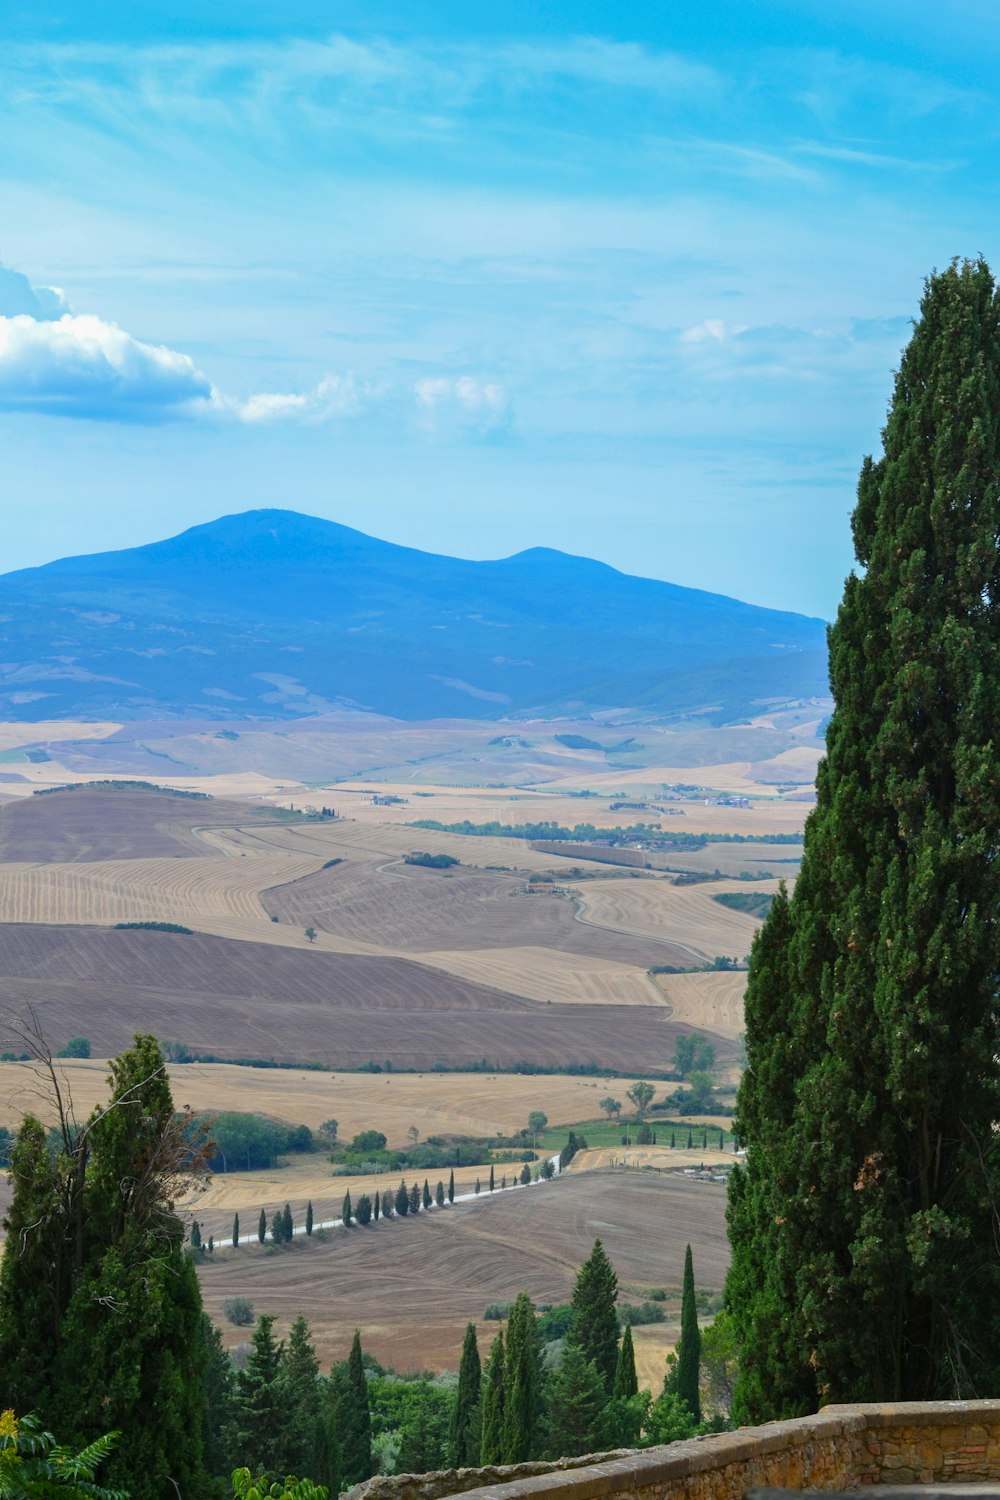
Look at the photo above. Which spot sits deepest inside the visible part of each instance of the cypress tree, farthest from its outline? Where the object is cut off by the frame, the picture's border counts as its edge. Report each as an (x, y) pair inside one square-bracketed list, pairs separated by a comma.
[(278, 1228), (439, 1194), (415, 1198), (690, 1139), (376, 1206), (299, 1393), (346, 1211), (689, 1348), (287, 1226), (576, 1405), (491, 1178), (522, 1384), (626, 1384), (464, 1445), (402, 1199), (673, 1140), (451, 1186), (195, 1236), (220, 1387), (259, 1412), (262, 1227), (211, 1244), (478, 1187), (595, 1322), (427, 1200), (309, 1217), (494, 1382), (354, 1419), (864, 1260), (236, 1231), (363, 1211)]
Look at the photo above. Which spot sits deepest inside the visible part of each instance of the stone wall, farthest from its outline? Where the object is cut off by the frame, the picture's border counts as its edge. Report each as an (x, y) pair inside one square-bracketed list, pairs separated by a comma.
[(843, 1447)]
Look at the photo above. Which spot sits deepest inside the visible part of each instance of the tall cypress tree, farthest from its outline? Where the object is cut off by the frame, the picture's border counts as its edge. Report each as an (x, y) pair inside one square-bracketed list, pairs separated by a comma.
[(236, 1231), (298, 1386), (689, 1348), (451, 1186), (463, 1437), (354, 1422), (494, 1383), (626, 1383), (262, 1227), (259, 1436), (595, 1322), (309, 1218), (522, 1405), (864, 1257)]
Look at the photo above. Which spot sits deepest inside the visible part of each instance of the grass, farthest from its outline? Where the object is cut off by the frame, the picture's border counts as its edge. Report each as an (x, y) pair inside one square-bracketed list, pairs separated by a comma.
[(603, 1134)]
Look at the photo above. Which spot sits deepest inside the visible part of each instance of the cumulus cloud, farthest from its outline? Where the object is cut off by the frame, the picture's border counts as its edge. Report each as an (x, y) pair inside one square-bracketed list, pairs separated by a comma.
[(334, 396), (484, 403), (83, 366), (18, 296)]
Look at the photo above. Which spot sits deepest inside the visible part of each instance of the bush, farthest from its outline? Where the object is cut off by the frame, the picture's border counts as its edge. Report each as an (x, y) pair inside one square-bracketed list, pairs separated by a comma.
[(238, 1311), (495, 1312), (638, 1313), (77, 1046)]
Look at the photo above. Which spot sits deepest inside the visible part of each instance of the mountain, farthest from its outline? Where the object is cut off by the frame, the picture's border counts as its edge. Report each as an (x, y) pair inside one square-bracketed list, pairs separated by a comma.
[(271, 614)]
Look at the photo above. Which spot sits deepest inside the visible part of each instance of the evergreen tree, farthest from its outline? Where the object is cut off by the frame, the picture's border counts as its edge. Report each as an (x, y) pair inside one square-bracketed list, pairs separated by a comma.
[(576, 1402), (522, 1384), (388, 1205), (464, 1439), (364, 1210), (864, 1264), (415, 1198), (478, 1187), (402, 1199), (278, 1227), (287, 1226), (595, 1321), (451, 1186), (494, 1383), (690, 1139), (262, 1227), (376, 1207), (346, 1211), (426, 1198), (259, 1415), (625, 1383), (220, 1388), (354, 1419), (439, 1194), (236, 1231), (309, 1218), (326, 1468), (211, 1244), (299, 1392), (673, 1140), (491, 1178), (195, 1236), (689, 1347), (525, 1174)]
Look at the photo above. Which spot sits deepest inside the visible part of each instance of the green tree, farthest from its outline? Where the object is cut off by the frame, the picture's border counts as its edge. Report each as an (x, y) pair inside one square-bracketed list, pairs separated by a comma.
[(259, 1430), (262, 1227), (376, 1207), (415, 1198), (236, 1231), (426, 1197), (439, 1194), (864, 1265), (478, 1187), (464, 1437), (346, 1211), (364, 1210), (693, 1053), (299, 1393), (287, 1226), (354, 1418), (719, 1363), (494, 1385), (33, 1466), (77, 1046), (278, 1227), (595, 1321), (669, 1420), (641, 1095), (611, 1106), (492, 1179), (625, 1383), (402, 1199), (520, 1436), (576, 1406), (220, 1389), (451, 1186), (537, 1121), (689, 1348), (525, 1175), (309, 1218)]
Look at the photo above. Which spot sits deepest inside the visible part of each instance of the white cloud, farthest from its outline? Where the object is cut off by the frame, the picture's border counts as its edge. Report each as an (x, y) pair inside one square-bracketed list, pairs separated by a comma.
[(482, 402), (82, 366), (18, 296), (710, 328), (334, 396)]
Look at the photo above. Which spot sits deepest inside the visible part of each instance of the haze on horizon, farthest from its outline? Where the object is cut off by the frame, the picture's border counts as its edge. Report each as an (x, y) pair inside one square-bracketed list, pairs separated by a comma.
[(626, 283)]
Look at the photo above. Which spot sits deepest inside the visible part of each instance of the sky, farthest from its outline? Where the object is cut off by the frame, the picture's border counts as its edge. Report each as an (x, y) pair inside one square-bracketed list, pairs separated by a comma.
[(630, 280)]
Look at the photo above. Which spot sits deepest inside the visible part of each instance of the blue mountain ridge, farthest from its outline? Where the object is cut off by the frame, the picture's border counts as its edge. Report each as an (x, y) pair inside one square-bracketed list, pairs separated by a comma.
[(270, 614)]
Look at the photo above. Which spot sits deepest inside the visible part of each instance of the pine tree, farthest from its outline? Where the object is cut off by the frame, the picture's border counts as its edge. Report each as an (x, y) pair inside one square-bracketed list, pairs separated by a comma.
[(426, 1198), (287, 1226), (864, 1264), (522, 1384), (354, 1424), (451, 1186), (625, 1383), (220, 1389), (595, 1321), (494, 1383), (463, 1439), (259, 1414), (236, 1231), (262, 1227), (689, 1347), (309, 1218), (439, 1194), (299, 1392), (346, 1211), (575, 1406)]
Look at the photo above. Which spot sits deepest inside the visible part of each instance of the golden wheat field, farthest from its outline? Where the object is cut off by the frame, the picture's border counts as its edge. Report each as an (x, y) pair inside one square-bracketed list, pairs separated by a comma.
[(713, 1000), (548, 975), (688, 913)]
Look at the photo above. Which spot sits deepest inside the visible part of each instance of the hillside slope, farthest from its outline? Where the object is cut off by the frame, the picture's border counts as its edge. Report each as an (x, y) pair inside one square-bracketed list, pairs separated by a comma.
[(271, 614)]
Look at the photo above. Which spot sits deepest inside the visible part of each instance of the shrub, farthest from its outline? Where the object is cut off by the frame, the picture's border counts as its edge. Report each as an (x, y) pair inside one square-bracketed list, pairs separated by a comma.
[(238, 1311), (77, 1046)]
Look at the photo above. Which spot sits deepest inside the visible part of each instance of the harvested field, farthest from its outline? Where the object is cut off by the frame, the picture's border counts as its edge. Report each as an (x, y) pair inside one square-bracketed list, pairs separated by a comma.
[(546, 975), (423, 910), (686, 912), (258, 1000), (713, 1001), (102, 823), (412, 1285)]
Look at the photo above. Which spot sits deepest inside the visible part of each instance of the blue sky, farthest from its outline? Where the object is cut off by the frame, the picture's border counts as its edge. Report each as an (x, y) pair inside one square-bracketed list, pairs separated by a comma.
[(629, 280)]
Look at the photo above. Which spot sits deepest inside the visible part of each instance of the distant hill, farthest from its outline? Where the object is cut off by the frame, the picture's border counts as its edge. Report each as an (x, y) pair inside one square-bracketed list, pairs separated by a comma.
[(273, 615)]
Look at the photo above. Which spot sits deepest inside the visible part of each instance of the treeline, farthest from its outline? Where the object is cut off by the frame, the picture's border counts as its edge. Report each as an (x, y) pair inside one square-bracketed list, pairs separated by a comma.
[(123, 786), (586, 833)]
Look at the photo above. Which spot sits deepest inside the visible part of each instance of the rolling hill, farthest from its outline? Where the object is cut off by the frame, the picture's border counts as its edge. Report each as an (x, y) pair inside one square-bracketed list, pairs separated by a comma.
[(275, 615)]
